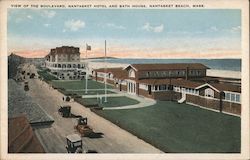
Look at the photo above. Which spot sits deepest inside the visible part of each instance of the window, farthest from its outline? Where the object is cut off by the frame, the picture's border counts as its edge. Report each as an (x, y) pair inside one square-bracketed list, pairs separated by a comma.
[(167, 73), (182, 73), (163, 74), (227, 96), (157, 74), (170, 73), (198, 73), (156, 88), (154, 74), (192, 90), (131, 73), (162, 87), (209, 92), (237, 98), (79, 143), (232, 97)]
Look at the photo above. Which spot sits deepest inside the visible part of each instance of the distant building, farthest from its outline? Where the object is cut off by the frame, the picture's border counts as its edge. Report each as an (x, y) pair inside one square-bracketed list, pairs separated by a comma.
[(13, 62), (183, 82), (65, 62)]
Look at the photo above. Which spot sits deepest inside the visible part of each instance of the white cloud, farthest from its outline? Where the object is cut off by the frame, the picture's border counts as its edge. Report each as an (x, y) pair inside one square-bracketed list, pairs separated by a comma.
[(150, 28), (48, 14), (29, 17), (74, 25), (112, 25), (232, 30), (235, 29), (146, 27), (46, 24), (23, 18), (159, 28), (214, 28)]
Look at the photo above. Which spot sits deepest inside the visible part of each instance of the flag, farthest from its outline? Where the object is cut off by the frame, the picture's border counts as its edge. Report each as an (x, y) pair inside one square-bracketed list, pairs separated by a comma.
[(88, 47)]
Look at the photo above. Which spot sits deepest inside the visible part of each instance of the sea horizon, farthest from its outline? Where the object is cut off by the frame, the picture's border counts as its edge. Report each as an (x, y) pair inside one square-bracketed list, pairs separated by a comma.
[(217, 64)]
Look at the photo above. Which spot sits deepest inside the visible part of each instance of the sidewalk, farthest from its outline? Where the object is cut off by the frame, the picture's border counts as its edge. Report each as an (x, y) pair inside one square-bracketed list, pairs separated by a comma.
[(113, 140), (143, 101)]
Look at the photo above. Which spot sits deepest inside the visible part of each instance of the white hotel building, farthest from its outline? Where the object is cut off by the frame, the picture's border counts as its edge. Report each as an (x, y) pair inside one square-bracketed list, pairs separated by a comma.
[(65, 63)]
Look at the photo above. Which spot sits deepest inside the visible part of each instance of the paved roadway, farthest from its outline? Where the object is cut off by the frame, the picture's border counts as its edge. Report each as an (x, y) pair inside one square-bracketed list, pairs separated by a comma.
[(110, 138)]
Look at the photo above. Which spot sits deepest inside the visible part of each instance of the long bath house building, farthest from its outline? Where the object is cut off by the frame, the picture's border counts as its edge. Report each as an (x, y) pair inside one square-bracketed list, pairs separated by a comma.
[(181, 82)]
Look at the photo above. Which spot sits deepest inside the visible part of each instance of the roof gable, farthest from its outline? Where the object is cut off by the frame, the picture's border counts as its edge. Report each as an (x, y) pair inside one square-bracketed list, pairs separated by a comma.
[(205, 85), (219, 87), (117, 72), (129, 66)]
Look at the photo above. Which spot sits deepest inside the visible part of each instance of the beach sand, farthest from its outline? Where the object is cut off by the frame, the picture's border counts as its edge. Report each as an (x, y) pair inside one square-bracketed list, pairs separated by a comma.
[(224, 73)]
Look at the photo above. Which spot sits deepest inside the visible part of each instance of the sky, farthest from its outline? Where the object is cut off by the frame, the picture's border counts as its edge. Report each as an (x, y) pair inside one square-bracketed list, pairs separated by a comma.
[(130, 33)]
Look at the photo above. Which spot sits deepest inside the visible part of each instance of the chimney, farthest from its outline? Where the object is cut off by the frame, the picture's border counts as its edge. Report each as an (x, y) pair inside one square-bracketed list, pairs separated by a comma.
[(187, 70)]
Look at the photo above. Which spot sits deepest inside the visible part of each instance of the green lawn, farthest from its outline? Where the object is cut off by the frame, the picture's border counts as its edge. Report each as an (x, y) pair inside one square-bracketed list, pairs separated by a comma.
[(90, 92), (46, 76), (79, 84), (111, 101), (169, 126), (179, 128)]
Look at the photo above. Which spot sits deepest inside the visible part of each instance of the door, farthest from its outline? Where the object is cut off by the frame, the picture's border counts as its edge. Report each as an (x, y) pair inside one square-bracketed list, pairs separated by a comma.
[(131, 87), (183, 92), (149, 89)]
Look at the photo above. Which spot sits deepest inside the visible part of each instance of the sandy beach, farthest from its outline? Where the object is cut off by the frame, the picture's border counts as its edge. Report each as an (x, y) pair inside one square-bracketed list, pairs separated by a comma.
[(223, 73)]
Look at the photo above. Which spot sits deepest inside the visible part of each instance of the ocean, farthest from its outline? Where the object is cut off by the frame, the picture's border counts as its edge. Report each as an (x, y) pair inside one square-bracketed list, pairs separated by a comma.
[(218, 64)]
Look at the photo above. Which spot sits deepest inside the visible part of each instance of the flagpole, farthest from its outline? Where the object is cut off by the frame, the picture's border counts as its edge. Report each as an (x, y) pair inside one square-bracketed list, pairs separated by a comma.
[(105, 74), (86, 73)]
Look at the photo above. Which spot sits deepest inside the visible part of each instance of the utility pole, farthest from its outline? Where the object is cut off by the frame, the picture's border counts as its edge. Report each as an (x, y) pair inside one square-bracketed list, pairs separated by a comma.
[(86, 73), (105, 73)]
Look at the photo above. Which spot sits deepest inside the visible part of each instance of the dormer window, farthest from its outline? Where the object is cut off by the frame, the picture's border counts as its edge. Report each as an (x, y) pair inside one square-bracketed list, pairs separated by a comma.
[(209, 92), (110, 75), (131, 73)]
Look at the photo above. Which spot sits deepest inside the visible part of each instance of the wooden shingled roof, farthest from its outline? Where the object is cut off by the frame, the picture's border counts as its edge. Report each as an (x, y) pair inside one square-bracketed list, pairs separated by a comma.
[(59, 50), (157, 67), (117, 72), (226, 87)]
